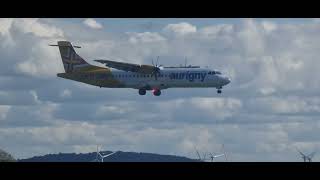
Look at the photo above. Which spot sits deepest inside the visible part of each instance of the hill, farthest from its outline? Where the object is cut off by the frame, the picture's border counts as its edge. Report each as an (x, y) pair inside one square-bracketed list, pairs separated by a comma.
[(6, 157), (117, 157)]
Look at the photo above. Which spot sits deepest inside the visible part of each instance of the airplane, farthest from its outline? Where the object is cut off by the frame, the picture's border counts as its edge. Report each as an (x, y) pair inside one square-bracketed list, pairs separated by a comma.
[(141, 77)]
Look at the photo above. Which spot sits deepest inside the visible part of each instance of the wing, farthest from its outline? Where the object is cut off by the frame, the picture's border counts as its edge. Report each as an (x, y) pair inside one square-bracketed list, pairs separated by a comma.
[(145, 69)]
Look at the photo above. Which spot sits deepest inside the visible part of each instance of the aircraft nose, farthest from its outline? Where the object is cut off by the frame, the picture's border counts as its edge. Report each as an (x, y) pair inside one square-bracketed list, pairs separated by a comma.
[(227, 80)]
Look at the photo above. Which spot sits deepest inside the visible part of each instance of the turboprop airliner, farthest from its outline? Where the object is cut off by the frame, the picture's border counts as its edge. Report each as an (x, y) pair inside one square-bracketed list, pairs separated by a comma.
[(141, 77)]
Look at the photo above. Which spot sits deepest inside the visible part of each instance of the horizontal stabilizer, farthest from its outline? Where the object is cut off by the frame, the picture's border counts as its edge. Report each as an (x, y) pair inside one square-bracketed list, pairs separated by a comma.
[(64, 45)]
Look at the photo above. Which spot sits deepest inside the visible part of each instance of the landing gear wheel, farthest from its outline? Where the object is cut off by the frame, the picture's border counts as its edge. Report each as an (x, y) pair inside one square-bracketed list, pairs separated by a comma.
[(142, 91), (157, 92), (219, 91)]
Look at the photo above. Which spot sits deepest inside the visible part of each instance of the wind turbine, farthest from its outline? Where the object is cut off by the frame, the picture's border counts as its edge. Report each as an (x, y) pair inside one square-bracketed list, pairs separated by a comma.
[(306, 158), (213, 155), (199, 156), (102, 156)]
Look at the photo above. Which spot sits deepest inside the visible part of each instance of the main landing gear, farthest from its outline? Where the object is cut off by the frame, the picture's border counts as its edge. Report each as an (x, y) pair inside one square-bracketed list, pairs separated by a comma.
[(156, 92), (142, 91), (219, 90)]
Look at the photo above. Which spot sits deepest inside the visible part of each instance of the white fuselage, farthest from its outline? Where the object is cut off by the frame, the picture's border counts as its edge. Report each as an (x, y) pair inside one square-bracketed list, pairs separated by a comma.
[(172, 78)]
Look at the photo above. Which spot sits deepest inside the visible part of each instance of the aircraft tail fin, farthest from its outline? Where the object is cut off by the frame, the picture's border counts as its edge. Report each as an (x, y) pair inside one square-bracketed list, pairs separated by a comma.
[(72, 62)]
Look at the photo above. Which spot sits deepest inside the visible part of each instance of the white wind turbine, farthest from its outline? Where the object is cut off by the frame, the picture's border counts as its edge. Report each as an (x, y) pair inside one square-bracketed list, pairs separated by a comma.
[(102, 156)]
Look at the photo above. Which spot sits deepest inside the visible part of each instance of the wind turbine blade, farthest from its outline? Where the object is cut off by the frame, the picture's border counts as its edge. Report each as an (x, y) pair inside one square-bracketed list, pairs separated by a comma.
[(300, 152), (157, 61), (204, 155), (100, 154), (312, 154), (224, 152), (108, 154), (219, 155), (197, 153), (97, 154)]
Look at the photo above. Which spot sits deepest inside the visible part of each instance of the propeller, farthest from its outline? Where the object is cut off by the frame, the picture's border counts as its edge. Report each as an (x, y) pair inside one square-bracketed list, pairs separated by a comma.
[(156, 70)]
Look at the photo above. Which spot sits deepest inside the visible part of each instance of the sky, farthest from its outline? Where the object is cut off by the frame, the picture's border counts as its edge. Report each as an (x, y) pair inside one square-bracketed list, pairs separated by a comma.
[(271, 106)]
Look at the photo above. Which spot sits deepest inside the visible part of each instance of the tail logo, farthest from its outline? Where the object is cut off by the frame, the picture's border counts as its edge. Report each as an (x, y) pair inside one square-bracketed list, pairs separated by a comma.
[(70, 59)]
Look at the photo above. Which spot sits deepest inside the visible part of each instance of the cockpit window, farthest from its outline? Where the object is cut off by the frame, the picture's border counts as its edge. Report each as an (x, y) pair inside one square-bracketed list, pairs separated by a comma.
[(214, 72)]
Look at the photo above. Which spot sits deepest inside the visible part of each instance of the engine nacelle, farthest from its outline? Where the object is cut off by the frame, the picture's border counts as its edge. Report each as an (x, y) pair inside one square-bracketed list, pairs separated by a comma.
[(146, 69)]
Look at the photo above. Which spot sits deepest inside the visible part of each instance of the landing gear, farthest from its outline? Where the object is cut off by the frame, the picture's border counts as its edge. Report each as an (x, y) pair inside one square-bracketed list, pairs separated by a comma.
[(142, 91), (157, 92), (219, 90)]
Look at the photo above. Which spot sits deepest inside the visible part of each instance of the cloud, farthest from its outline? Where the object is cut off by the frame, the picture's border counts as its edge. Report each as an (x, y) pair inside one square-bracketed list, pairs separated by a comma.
[(145, 37), (66, 93), (269, 26), (271, 104), (37, 28), (92, 23), (36, 59), (4, 111), (180, 29)]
